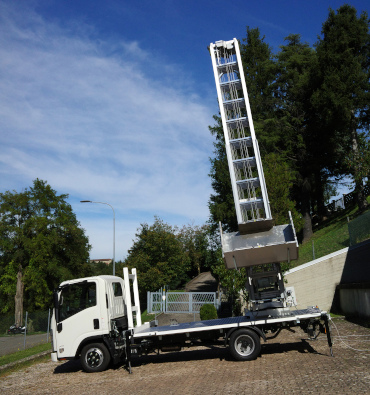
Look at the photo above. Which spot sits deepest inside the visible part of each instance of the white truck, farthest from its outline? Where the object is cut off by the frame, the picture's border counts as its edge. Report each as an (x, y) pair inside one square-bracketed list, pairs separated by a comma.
[(95, 320)]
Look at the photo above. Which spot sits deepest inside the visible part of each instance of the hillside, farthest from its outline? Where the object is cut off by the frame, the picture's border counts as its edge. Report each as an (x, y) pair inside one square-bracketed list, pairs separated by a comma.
[(333, 234)]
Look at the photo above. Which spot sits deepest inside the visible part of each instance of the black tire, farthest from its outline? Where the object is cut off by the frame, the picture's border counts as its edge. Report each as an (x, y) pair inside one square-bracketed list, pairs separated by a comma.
[(95, 357), (245, 345)]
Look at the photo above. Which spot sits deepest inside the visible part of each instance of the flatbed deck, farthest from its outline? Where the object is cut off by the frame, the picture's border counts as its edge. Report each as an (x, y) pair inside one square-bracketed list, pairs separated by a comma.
[(225, 323)]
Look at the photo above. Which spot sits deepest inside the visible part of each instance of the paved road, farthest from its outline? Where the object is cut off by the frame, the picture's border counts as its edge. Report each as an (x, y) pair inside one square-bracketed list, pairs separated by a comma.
[(204, 282), (10, 344), (287, 365)]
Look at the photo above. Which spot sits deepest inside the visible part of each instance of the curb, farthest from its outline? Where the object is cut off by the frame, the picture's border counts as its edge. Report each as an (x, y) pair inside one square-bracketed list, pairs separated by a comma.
[(11, 364)]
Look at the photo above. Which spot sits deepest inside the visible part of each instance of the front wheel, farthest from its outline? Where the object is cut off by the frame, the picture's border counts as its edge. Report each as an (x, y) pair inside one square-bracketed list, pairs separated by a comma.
[(95, 357), (245, 345)]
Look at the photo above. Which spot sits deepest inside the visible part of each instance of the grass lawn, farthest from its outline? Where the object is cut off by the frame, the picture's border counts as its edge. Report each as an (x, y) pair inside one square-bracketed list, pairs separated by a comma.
[(19, 355), (145, 317)]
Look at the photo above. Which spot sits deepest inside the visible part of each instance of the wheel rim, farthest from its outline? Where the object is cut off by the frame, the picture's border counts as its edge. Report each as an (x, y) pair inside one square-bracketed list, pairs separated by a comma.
[(94, 357), (244, 345)]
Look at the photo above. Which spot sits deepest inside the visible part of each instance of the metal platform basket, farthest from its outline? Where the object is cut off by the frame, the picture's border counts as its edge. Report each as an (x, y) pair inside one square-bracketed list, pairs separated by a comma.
[(279, 244)]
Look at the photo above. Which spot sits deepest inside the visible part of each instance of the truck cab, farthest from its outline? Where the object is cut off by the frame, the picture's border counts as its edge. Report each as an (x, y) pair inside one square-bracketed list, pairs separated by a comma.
[(87, 312)]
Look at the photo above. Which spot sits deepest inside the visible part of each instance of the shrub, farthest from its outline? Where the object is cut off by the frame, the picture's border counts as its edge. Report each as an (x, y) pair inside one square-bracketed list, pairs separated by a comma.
[(208, 312)]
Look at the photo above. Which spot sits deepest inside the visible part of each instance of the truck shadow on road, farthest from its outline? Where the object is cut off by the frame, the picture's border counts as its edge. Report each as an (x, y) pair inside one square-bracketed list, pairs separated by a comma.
[(302, 347), (72, 366), (221, 353)]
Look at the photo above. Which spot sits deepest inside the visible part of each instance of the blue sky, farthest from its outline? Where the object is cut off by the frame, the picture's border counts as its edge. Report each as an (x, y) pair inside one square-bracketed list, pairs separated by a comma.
[(111, 100)]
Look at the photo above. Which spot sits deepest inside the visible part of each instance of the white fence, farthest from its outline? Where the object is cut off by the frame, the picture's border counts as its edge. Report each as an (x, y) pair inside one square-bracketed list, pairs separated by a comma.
[(179, 302)]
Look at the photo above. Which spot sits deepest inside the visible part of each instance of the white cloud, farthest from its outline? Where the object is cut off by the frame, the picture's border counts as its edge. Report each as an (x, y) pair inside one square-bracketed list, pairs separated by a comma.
[(88, 117)]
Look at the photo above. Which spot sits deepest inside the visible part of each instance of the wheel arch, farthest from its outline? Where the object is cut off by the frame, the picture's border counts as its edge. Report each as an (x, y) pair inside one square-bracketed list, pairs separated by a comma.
[(92, 339), (258, 331)]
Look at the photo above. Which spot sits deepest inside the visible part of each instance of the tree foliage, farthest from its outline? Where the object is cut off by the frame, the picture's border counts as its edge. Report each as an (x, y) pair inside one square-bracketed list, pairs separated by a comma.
[(39, 233), (279, 180), (343, 93), (159, 257), (294, 63), (311, 114), (196, 244)]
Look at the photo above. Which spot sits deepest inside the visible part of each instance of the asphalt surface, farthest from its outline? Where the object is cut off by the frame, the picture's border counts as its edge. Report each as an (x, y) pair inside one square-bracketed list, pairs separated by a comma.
[(204, 282), (14, 343)]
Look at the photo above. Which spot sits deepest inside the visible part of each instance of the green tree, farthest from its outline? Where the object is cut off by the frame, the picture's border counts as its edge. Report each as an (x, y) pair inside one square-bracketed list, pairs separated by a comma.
[(232, 282), (279, 180), (159, 257), (40, 234), (343, 93), (101, 268), (195, 241), (260, 72), (295, 60)]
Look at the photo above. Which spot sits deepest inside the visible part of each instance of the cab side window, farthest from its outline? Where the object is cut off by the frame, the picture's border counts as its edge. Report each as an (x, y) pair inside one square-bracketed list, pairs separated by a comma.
[(117, 289)]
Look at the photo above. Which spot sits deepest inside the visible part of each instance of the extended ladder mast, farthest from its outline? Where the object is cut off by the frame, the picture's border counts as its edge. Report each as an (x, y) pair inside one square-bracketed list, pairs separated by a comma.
[(244, 159), (258, 242)]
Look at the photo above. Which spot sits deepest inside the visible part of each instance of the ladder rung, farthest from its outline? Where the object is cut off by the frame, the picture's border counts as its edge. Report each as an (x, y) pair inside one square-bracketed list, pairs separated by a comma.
[(236, 143), (249, 203), (227, 85), (249, 182), (229, 104), (240, 162), (234, 123), (223, 66)]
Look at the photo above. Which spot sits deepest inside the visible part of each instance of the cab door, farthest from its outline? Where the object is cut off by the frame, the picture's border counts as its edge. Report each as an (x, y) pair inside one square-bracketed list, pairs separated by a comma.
[(79, 316)]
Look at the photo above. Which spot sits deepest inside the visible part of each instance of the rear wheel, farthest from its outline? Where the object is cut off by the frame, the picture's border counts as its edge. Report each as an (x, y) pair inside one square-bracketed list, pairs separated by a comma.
[(245, 345), (95, 357)]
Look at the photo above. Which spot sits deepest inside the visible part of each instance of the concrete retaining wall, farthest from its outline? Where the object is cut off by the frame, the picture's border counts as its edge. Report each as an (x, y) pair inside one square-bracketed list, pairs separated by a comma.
[(355, 299), (315, 283)]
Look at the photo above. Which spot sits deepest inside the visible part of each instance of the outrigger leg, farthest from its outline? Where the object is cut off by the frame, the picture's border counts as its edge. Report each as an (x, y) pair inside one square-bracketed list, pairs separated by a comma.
[(128, 352), (326, 318)]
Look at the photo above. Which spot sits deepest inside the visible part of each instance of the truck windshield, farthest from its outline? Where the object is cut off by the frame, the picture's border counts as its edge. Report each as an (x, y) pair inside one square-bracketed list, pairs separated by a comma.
[(75, 298)]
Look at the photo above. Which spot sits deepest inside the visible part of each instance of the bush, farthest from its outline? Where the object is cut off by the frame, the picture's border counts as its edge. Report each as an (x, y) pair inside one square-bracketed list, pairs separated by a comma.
[(5, 322), (208, 312)]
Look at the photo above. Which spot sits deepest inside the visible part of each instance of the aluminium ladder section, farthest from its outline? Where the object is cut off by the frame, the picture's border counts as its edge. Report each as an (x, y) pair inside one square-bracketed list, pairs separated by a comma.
[(244, 160)]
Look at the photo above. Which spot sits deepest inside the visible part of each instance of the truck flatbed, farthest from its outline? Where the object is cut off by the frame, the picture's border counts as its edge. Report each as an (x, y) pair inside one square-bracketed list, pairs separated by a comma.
[(257, 319)]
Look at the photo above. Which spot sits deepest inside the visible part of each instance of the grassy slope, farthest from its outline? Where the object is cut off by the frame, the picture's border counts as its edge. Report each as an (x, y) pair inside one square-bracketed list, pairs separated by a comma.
[(332, 235), (19, 355)]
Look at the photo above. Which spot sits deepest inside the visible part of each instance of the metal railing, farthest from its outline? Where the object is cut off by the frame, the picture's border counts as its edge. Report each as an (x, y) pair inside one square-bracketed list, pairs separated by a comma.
[(179, 302), (34, 325), (346, 200)]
